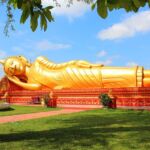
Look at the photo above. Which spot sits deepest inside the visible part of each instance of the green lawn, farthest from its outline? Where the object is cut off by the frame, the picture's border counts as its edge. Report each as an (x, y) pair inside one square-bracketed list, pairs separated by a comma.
[(14, 110), (90, 130)]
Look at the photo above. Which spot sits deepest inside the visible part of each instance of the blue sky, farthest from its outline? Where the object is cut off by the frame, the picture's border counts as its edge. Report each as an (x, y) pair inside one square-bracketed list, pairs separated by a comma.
[(122, 39)]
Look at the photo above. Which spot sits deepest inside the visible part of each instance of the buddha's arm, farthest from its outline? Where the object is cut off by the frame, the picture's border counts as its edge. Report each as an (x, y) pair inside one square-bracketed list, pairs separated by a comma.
[(77, 63), (86, 64), (28, 86)]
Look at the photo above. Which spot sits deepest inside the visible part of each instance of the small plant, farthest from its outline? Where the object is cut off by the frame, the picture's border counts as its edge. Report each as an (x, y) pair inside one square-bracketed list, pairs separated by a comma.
[(45, 100), (105, 100)]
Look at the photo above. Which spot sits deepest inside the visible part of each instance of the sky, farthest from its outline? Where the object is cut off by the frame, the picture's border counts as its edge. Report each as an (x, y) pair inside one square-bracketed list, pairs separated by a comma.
[(78, 33)]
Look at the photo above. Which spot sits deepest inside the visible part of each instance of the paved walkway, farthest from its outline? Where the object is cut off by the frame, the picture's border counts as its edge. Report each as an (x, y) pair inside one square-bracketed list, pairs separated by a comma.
[(14, 118)]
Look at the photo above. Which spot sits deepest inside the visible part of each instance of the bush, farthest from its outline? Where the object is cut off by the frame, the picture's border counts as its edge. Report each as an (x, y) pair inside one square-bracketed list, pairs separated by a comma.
[(105, 100)]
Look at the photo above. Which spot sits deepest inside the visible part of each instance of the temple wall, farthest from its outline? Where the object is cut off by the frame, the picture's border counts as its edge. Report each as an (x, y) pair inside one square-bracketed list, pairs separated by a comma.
[(88, 98), (136, 97), (125, 97)]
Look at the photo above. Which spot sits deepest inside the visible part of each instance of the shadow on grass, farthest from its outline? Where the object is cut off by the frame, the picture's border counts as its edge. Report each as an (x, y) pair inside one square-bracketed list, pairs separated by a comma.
[(59, 137), (87, 131), (8, 109)]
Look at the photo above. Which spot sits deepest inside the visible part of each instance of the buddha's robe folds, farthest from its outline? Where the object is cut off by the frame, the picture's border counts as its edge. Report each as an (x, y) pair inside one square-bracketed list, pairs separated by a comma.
[(81, 74)]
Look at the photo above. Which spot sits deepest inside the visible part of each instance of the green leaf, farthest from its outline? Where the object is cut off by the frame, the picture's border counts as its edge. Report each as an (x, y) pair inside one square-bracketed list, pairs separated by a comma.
[(114, 4), (19, 3), (127, 5), (45, 26), (49, 7), (137, 3), (149, 3), (93, 6), (31, 9), (37, 3), (102, 8), (43, 22), (110, 7), (25, 15), (134, 8), (13, 3), (48, 15), (34, 21)]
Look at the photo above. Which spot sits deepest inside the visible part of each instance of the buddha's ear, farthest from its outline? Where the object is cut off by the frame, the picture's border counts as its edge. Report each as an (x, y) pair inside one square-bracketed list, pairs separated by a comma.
[(2, 61)]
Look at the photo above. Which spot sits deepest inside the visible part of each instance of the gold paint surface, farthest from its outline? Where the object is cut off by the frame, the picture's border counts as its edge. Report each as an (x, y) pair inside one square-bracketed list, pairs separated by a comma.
[(73, 74)]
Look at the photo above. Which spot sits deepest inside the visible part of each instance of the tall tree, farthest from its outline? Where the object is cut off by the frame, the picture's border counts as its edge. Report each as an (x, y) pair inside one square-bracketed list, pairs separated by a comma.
[(34, 10)]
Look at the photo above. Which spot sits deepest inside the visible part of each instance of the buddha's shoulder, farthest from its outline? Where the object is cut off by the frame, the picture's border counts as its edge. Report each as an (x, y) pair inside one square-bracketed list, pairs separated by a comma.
[(43, 61), (41, 58)]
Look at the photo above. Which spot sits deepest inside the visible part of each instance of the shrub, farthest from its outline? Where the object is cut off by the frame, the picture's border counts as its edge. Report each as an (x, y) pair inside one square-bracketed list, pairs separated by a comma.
[(105, 100)]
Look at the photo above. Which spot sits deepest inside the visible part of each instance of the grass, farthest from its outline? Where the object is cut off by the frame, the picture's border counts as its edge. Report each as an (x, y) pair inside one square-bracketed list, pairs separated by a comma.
[(89, 130), (14, 110)]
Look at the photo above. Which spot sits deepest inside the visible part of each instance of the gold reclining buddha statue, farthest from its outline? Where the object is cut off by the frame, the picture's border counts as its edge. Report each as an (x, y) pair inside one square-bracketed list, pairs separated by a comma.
[(70, 75)]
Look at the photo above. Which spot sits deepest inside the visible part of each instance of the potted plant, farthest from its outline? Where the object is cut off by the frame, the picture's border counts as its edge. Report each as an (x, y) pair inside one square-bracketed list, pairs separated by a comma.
[(106, 101), (45, 100)]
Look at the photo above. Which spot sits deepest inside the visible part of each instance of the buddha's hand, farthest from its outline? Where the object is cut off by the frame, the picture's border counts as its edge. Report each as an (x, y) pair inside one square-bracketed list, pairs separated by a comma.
[(13, 78), (85, 64), (28, 86)]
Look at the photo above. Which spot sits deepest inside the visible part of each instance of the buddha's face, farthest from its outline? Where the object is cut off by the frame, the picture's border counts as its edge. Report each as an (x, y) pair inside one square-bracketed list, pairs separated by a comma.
[(14, 66)]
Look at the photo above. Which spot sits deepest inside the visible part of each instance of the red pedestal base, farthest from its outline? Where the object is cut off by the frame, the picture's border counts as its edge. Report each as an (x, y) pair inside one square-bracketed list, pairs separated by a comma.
[(80, 98)]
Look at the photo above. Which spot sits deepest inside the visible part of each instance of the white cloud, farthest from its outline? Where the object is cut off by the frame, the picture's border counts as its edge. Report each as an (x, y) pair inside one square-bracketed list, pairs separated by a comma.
[(127, 28), (105, 62), (131, 64), (77, 9), (102, 53), (46, 45)]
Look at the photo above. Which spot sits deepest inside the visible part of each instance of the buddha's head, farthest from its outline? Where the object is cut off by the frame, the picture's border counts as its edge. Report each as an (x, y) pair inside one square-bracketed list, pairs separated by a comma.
[(15, 65)]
